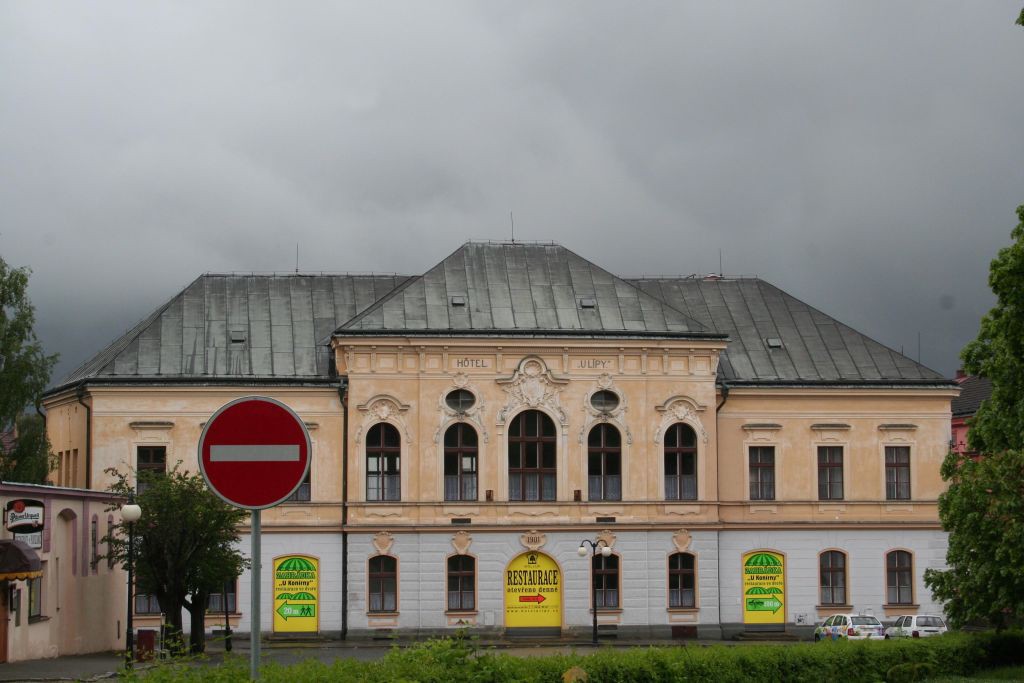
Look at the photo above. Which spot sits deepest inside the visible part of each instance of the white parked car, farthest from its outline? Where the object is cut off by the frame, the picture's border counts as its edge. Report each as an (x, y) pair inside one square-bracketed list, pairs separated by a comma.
[(849, 627), (916, 626)]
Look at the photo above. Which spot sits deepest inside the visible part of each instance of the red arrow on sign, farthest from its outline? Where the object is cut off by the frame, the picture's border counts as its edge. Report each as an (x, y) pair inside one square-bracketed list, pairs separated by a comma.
[(538, 598)]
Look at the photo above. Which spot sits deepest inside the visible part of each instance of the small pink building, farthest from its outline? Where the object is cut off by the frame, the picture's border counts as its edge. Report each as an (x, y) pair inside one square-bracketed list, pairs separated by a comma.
[(74, 603)]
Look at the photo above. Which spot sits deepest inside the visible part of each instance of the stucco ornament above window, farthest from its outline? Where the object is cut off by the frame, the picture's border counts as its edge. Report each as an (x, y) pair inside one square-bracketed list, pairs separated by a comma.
[(461, 541), (473, 414), (615, 415), (533, 386), (681, 540), (680, 409), (383, 408), (383, 541)]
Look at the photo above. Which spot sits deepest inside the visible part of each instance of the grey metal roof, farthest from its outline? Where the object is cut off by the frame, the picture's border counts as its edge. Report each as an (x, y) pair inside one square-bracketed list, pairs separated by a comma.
[(806, 345), (521, 288), (239, 326)]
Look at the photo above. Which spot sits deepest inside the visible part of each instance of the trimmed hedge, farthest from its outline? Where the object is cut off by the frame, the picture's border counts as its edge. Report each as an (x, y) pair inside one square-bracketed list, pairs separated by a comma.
[(453, 660)]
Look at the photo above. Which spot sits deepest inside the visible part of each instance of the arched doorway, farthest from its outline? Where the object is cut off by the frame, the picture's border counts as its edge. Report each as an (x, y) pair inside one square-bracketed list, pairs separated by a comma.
[(533, 595)]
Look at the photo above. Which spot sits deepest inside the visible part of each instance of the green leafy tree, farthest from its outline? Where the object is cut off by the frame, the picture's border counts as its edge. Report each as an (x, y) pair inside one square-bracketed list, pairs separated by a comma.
[(24, 373), (30, 460), (185, 545), (983, 507)]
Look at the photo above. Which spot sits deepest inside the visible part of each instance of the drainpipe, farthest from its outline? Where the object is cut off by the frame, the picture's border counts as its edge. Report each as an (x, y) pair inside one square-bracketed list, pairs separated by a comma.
[(80, 395), (718, 494), (343, 395)]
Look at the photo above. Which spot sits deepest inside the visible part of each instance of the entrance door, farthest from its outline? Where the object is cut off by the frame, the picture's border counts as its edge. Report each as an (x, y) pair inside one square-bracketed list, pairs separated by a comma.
[(764, 591), (533, 595), (5, 590)]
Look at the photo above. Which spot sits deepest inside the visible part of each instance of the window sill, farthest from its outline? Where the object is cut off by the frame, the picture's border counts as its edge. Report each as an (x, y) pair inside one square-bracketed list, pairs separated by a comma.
[(295, 502), (460, 613), (210, 613), (903, 606), (37, 619), (834, 608), (682, 610), (382, 614), (607, 610)]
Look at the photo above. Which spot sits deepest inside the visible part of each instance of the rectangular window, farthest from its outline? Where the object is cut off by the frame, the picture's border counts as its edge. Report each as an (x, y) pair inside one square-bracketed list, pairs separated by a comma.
[(830, 473), (302, 494), (35, 598), (897, 472), (152, 460), (682, 581), (681, 476), (110, 547), (215, 603), (606, 581), (383, 576), (94, 540), (461, 583), (146, 603), (832, 577), (762, 473)]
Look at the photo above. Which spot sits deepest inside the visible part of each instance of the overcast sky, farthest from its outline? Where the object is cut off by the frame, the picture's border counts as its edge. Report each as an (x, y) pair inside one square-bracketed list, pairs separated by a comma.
[(866, 157)]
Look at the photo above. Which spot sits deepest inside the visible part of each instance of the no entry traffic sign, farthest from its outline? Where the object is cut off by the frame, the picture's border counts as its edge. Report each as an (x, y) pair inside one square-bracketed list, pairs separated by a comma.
[(254, 452)]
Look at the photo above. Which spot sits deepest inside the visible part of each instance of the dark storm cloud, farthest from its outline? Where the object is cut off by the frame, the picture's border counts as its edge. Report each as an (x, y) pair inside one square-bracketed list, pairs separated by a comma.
[(862, 156)]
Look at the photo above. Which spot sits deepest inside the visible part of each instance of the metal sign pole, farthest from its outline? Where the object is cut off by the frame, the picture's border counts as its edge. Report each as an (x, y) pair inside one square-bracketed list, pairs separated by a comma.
[(254, 629)]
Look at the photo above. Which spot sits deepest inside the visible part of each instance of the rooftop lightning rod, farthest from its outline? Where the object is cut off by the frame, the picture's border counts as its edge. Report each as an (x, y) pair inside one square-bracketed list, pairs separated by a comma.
[(296, 258), (513, 222)]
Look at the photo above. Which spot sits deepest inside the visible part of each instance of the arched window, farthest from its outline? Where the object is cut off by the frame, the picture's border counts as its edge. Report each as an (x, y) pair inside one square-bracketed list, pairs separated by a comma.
[(682, 583), (606, 581), (532, 465), (383, 583), (461, 583), (460, 450), (94, 542), (604, 463), (383, 463), (832, 577), (899, 572), (680, 463)]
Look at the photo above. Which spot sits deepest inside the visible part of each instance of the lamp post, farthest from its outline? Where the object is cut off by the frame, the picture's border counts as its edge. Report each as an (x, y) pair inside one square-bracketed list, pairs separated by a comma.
[(599, 546), (130, 513)]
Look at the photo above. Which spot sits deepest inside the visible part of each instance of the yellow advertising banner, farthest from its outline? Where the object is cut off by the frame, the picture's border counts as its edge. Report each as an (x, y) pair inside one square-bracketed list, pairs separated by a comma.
[(533, 592), (296, 594), (764, 588)]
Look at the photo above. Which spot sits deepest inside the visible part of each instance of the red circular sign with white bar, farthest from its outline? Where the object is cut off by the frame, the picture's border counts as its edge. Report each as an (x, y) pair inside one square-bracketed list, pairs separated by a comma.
[(254, 452)]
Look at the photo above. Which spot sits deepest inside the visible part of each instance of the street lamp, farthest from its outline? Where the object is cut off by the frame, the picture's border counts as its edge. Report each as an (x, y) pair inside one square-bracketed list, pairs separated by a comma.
[(599, 546), (130, 513)]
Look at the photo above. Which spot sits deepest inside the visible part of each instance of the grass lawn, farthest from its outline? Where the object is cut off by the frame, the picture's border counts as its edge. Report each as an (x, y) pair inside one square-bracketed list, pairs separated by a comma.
[(1007, 673)]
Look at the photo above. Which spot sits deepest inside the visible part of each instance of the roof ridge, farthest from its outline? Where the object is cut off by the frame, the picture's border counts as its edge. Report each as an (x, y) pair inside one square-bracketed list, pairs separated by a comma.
[(699, 327), (122, 342), (862, 334)]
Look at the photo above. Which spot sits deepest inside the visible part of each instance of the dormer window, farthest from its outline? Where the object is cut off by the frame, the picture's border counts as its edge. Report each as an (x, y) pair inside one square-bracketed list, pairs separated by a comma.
[(588, 302), (458, 300)]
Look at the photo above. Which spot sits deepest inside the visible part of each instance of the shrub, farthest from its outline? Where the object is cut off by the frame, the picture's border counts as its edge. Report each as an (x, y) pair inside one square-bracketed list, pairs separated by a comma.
[(458, 660)]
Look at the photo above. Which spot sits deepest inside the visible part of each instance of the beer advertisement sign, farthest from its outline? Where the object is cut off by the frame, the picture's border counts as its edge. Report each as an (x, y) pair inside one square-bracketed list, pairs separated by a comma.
[(296, 594), (533, 592), (24, 516), (764, 588)]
